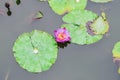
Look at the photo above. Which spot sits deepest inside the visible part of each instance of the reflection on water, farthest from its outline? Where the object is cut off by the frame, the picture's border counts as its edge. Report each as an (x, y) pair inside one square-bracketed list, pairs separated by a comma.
[(63, 45), (6, 76)]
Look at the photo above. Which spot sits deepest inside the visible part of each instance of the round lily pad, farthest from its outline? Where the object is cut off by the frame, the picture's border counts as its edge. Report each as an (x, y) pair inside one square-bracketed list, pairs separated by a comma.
[(79, 34), (35, 51), (62, 6), (101, 1), (79, 17)]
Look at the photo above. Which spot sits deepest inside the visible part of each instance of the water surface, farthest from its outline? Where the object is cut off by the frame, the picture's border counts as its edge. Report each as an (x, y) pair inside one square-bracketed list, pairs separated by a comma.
[(75, 62)]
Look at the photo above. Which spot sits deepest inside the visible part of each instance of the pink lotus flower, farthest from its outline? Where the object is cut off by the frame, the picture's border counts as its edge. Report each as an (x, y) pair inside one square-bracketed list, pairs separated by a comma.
[(62, 35)]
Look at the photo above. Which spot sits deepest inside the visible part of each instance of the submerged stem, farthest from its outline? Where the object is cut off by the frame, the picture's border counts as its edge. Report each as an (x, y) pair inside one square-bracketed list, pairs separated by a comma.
[(7, 75)]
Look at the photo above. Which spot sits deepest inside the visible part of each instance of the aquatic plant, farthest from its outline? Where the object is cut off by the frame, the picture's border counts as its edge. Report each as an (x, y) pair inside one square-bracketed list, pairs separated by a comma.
[(61, 35), (116, 55), (77, 24), (35, 51), (62, 6), (7, 5)]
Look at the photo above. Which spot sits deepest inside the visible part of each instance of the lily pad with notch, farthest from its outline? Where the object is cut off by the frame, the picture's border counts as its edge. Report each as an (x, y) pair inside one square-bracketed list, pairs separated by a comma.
[(35, 51), (91, 27), (79, 34)]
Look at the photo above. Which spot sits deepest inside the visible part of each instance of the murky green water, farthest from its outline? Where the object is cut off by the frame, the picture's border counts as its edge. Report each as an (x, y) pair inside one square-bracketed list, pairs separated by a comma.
[(88, 62)]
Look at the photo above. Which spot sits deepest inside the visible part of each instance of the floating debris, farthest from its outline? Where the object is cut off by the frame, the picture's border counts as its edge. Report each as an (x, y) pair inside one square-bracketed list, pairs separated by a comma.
[(38, 15), (7, 5), (18, 2)]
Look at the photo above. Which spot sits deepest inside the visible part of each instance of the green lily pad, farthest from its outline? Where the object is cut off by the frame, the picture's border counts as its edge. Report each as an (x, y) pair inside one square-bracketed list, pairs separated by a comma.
[(79, 34), (79, 17), (62, 6), (99, 26), (116, 50), (35, 51), (101, 1)]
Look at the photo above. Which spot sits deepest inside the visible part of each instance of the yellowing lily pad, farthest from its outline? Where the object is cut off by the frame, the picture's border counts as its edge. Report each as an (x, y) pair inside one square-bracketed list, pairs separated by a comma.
[(79, 34), (99, 26), (116, 55), (35, 51), (101, 1), (62, 6), (116, 50), (79, 17), (85, 26)]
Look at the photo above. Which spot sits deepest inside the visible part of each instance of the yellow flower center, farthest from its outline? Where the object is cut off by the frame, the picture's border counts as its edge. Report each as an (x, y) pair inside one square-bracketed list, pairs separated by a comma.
[(62, 36)]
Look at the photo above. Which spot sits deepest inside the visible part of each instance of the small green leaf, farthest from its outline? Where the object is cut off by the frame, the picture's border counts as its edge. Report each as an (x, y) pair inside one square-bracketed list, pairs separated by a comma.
[(62, 6), (79, 34), (79, 17), (35, 51), (39, 15), (101, 1)]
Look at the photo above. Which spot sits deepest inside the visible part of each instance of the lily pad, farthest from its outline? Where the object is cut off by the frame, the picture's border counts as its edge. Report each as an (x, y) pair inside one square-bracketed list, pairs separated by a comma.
[(35, 51), (116, 50), (62, 6), (79, 17), (99, 26), (116, 55), (101, 1), (79, 34)]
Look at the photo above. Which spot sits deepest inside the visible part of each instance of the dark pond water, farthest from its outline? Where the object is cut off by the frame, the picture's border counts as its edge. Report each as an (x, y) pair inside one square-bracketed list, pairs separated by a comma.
[(75, 62)]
